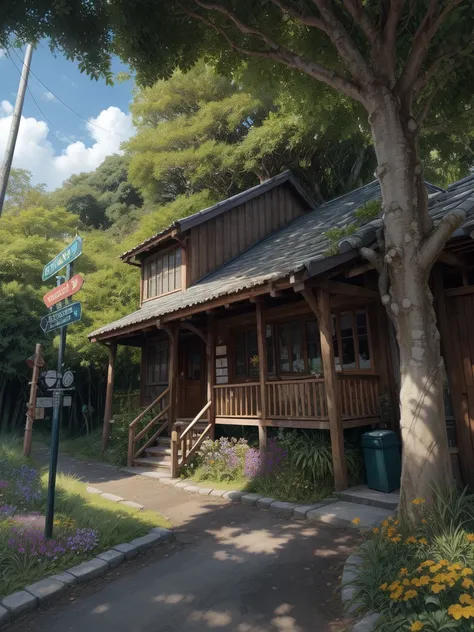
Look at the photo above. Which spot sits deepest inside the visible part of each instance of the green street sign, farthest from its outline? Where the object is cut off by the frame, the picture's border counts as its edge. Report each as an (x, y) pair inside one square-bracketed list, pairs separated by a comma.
[(61, 317), (69, 254)]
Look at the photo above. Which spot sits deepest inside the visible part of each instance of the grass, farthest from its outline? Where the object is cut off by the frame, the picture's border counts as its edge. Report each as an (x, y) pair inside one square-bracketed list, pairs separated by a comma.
[(77, 514), (88, 447), (239, 485)]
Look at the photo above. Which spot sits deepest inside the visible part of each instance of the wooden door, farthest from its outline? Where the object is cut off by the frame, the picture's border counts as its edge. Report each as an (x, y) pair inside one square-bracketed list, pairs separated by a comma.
[(191, 377), (460, 313)]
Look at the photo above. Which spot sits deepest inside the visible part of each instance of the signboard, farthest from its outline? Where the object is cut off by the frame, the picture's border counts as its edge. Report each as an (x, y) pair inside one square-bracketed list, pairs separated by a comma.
[(61, 317), (68, 379), (65, 290), (47, 402), (39, 413), (50, 378), (69, 254)]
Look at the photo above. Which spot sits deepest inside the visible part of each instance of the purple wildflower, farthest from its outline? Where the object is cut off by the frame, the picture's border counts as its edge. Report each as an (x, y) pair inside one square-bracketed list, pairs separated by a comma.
[(6, 511), (253, 463), (4, 484)]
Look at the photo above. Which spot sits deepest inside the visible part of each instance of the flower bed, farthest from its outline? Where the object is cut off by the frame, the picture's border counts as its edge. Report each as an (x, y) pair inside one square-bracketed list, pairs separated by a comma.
[(294, 467), (84, 524), (419, 574)]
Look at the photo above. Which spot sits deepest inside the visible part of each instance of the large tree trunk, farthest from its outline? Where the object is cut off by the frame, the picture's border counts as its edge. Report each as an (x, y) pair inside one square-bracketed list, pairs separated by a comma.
[(407, 253)]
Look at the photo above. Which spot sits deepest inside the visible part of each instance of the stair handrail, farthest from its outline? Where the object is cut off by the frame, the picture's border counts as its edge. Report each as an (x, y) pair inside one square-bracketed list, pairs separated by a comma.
[(132, 438), (196, 419), (179, 440)]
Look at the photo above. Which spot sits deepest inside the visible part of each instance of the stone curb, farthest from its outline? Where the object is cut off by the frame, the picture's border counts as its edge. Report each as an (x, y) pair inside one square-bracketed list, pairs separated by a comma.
[(368, 622), (298, 511), (52, 588)]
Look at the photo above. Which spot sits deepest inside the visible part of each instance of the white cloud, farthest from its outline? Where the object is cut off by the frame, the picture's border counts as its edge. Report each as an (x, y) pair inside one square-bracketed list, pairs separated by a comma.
[(48, 96), (3, 53), (6, 107), (35, 152)]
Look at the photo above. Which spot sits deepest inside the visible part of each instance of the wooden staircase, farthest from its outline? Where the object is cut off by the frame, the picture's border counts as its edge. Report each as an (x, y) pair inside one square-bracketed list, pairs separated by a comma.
[(156, 457)]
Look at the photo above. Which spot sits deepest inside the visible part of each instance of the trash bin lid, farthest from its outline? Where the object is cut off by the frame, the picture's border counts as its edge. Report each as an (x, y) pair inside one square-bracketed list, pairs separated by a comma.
[(379, 439)]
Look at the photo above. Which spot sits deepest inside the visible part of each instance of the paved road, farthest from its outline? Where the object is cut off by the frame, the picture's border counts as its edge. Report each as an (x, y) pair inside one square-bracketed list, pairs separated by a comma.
[(232, 568)]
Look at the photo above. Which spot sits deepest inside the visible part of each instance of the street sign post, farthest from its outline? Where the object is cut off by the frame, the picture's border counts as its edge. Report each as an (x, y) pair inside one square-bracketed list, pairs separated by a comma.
[(63, 291), (61, 317), (66, 256)]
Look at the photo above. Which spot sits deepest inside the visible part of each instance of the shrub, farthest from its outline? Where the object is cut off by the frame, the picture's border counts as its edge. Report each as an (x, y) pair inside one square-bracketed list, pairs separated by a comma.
[(221, 460), (420, 575)]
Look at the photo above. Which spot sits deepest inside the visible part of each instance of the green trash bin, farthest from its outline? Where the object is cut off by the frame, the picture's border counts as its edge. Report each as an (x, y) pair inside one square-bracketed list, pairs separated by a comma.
[(382, 460)]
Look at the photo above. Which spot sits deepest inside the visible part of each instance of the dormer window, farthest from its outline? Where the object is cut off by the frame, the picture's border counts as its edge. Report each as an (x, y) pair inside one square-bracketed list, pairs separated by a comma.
[(162, 273)]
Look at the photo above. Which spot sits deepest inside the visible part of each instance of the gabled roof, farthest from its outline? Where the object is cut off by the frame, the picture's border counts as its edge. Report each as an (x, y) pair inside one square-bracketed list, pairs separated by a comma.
[(181, 225), (300, 245)]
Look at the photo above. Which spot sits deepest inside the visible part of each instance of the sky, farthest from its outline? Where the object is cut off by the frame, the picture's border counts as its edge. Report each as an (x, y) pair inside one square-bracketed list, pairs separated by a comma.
[(54, 141)]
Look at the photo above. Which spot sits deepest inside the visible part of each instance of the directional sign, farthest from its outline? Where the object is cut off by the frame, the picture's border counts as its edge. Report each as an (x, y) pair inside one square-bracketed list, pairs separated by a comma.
[(44, 402), (50, 378), (63, 291), (61, 317), (69, 254)]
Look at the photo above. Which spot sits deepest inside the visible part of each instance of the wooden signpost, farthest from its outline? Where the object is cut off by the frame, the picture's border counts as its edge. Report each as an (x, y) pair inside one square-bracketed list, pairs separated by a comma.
[(60, 317)]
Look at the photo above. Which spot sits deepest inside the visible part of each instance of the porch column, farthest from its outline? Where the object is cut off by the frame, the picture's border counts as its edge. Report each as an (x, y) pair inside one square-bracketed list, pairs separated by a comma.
[(262, 372), (173, 333), (109, 395), (322, 310), (211, 370)]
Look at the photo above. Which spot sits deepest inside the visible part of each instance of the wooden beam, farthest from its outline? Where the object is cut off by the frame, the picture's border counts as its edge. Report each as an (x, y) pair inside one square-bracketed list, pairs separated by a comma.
[(322, 310), (109, 396), (173, 374), (313, 303), (451, 259), (358, 270), (211, 371), (262, 371), (194, 330), (336, 287)]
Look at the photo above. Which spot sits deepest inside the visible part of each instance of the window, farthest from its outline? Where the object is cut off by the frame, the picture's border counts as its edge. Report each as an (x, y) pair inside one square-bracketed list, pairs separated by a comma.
[(162, 274), (157, 363), (298, 347), (351, 341), (246, 353)]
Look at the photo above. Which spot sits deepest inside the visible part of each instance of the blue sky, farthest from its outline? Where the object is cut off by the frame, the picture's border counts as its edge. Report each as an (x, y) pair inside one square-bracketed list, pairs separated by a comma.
[(56, 142)]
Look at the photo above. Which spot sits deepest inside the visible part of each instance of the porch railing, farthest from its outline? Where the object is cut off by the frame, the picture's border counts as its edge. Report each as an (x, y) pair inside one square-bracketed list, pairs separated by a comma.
[(133, 437), (359, 396), (237, 400), (184, 443), (302, 399)]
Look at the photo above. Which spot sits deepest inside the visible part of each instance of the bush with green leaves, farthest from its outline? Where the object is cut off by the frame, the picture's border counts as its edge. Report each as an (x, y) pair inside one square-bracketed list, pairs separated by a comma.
[(420, 574), (221, 460)]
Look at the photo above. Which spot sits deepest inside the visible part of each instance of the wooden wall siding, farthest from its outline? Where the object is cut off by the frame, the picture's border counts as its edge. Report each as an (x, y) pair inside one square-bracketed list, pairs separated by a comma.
[(218, 240)]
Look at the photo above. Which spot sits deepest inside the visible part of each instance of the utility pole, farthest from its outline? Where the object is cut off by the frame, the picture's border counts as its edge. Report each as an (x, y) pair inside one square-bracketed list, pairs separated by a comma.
[(16, 118)]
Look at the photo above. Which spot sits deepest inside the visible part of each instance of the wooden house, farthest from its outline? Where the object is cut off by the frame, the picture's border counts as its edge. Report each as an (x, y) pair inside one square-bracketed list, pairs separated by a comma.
[(246, 318)]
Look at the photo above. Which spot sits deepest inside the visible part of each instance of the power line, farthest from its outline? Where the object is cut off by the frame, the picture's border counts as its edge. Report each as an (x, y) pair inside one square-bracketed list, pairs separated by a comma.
[(37, 104), (65, 104)]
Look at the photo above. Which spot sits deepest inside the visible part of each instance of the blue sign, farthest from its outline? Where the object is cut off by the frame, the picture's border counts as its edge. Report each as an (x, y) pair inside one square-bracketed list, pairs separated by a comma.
[(69, 254), (61, 317)]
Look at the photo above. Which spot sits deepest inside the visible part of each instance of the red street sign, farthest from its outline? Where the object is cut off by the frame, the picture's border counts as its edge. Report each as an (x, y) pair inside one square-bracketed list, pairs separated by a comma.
[(65, 290)]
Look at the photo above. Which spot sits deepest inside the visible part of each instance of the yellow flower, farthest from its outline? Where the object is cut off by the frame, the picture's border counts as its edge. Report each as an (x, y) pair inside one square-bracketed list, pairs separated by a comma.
[(455, 567), (424, 521), (396, 594), (384, 586), (404, 571), (424, 580), (385, 523), (410, 594), (437, 588), (416, 626), (394, 585), (466, 599), (443, 562), (356, 521), (466, 571), (406, 582), (396, 540), (423, 541), (376, 530), (410, 540), (415, 582), (470, 537), (467, 583), (456, 611), (418, 501), (427, 563), (395, 522), (468, 612), (435, 568)]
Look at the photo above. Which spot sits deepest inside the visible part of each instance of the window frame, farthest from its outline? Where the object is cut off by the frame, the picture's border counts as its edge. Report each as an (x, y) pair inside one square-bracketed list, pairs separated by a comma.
[(163, 342), (153, 260), (336, 314)]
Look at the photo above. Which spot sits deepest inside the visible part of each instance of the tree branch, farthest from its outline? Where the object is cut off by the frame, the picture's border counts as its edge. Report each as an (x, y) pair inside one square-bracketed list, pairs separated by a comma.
[(360, 17), (433, 69), (281, 55), (391, 24), (308, 20), (428, 100), (434, 243), (426, 31)]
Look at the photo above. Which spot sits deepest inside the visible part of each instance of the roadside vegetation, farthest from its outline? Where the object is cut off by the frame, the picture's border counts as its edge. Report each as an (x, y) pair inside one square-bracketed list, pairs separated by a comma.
[(85, 524), (420, 574)]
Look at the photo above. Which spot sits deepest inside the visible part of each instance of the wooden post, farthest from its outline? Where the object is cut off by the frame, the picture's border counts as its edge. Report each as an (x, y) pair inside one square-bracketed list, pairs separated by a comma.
[(262, 371), (322, 310), (174, 451), (211, 370), (38, 362), (173, 374), (109, 395)]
